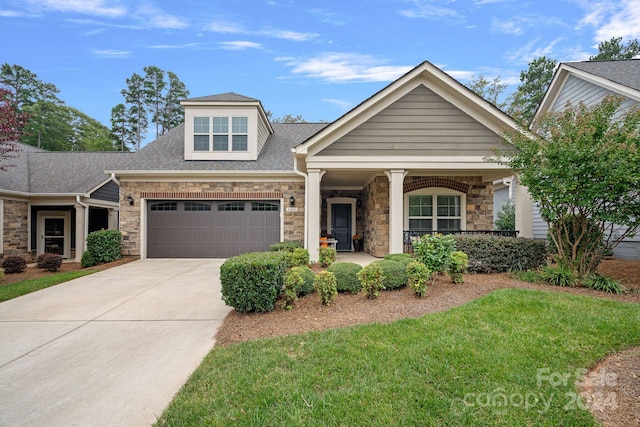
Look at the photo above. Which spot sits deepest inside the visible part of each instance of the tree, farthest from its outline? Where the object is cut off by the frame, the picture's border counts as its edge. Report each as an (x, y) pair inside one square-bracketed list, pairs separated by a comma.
[(134, 95), (584, 174), (90, 134), (506, 217), (528, 96), (27, 88), (171, 112), (613, 50), (122, 128), (49, 127), (12, 123), (488, 89), (154, 86), (289, 118)]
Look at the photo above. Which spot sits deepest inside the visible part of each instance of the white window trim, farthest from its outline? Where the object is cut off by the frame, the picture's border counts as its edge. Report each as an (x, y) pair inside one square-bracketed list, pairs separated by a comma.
[(437, 191)]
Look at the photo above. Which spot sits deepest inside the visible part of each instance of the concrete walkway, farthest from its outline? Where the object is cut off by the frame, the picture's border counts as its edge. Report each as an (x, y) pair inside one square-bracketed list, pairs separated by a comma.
[(108, 349)]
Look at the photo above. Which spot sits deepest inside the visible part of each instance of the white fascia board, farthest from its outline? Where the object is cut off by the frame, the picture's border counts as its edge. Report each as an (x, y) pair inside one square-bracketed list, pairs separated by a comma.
[(206, 175)]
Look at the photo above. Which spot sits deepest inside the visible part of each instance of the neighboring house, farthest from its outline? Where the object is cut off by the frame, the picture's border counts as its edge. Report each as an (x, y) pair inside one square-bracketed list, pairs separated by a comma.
[(50, 201), (409, 158), (586, 82)]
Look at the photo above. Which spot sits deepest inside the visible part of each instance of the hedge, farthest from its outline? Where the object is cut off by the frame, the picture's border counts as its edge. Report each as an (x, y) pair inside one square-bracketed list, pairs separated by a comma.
[(394, 273), (104, 245), (346, 276), (496, 254)]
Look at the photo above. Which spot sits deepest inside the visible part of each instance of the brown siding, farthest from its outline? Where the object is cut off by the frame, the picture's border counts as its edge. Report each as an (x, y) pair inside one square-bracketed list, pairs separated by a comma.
[(420, 121)]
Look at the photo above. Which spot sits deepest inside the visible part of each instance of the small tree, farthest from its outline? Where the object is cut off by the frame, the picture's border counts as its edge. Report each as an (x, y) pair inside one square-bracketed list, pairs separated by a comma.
[(584, 174), (11, 124), (506, 218)]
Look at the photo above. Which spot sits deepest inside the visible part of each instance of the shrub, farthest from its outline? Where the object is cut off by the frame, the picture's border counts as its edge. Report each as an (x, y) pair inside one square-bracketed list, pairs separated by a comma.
[(284, 246), (371, 280), (327, 256), (559, 275), (597, 282), (346, 276), (418, 276), (434, 251), (403, 258), (458, 266), (506, 217), (87, 260), (292, 283), (496, 254), (14, 264), (105, 245), (307, 276), (251, 282), (325, 285), (299, 257), (394, 273), (49, 262), (530, 276)]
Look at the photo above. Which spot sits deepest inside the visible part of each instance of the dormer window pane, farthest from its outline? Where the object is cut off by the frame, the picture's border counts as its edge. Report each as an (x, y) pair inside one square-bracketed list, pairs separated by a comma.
[(201, 142), (240, 124), (220, 142), (220, 125), (201, 125), (239, 143)]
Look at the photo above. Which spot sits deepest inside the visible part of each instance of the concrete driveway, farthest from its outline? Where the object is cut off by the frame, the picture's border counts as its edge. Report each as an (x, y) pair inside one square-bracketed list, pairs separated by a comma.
[(108, 349)]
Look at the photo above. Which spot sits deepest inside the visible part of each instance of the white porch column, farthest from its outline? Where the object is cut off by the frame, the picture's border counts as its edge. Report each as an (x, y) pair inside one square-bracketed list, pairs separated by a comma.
[(524, 211), (80, 231), (313, 211), (396, 209), (113, 219)]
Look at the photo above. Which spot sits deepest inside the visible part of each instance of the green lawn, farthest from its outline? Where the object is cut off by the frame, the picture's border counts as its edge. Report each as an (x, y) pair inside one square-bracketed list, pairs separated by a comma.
[(499, 360), (14, 290)]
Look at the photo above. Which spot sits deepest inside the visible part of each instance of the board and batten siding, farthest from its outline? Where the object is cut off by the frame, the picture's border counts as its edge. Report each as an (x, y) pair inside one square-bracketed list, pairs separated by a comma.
[(419, 122)]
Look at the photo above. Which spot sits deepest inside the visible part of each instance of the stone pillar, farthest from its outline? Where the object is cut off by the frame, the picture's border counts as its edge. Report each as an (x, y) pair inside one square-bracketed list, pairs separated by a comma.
[(81, 235), (313, 212), (396, 209)]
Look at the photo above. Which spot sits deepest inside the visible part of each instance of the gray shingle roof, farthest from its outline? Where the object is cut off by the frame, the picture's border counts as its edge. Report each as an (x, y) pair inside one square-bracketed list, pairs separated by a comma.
[(225, 97), (624, 72), (16, 178)]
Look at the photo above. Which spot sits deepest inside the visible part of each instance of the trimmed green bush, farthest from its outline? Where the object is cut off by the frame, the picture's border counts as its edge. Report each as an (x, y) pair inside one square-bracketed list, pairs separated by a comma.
[(105, 245), (87, 260), (346, 276), (251, 282), (458, 266), (598, 282), (434, 251), (299, 256), (371, 280), (394, 273), (14, 264), (292, 283), (406, 259), (559, 275), (496, 254), (418, 277), (307, 276), (284, 246), (325, 285), (327, 256), (49, 262)]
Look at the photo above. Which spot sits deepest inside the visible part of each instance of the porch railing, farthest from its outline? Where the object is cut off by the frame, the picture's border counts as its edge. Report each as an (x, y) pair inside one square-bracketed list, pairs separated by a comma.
[(408, 235)]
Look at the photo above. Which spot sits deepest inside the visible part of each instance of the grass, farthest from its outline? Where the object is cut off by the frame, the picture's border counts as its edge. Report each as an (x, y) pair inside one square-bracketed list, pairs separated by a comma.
[(14, 290), (478, 364)]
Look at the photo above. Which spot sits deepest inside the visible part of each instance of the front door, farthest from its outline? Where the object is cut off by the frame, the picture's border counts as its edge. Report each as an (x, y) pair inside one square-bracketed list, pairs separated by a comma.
[(341, 226), (54, 233)]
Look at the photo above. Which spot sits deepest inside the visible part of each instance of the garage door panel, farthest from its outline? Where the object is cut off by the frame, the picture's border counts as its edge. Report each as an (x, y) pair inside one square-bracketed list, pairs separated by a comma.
[(184, 229)]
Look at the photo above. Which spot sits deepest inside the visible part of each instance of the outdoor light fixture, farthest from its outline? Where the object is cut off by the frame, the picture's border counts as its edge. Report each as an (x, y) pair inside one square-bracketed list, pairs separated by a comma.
[(130, 200), (292, 201)]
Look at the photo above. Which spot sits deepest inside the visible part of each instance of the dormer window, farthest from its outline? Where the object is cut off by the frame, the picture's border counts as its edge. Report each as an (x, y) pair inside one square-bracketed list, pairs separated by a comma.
[(224, 127)]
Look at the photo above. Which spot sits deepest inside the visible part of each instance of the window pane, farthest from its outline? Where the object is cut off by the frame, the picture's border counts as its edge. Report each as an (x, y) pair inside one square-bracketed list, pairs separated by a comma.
[(201, 124), (201, 143), (239, 124), (220, 143), (448, 205), (196, 206), (448, 225), (164, 206), (420, 225), (239, 142), (420, 205), (231, 206), (261, 206), (220, 125)]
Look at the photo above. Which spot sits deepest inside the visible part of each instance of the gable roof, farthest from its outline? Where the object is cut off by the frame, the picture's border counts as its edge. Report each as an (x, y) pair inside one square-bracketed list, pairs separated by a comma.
[(425, 74), (621, 77)]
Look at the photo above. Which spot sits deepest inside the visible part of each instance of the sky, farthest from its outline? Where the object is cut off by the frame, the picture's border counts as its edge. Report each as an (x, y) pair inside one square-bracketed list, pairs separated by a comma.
[(300, 57)]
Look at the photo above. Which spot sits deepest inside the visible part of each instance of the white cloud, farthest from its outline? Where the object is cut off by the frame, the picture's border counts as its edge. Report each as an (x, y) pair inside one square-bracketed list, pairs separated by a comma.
[(341, 104), (431, 9), (10, 14), (530, 51), (86, 7), (229, 27), (327, 17), (175, 46), (225, 27), (240, 45), (610, 19), (345, 67), (112, 53)]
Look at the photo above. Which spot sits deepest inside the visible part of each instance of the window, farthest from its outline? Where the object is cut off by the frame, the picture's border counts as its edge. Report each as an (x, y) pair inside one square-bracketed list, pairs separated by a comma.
[(434, 212), (231, 206), (227, 133), (261, 206), (164, 206), (196, 206)]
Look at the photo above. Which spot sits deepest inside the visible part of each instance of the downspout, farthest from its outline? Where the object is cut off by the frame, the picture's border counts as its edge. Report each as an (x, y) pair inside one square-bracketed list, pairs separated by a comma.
[(86, 224), (306, 199), (114, 179)]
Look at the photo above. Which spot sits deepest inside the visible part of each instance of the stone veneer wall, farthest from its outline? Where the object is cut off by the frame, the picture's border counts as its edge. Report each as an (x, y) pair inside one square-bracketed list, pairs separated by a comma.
[(16, 228), (293, 229), (325, 194), (375, 201)]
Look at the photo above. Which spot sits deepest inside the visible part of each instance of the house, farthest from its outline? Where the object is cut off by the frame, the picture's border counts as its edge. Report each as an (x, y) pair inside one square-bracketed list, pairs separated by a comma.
[(587, 82), (411, 158)]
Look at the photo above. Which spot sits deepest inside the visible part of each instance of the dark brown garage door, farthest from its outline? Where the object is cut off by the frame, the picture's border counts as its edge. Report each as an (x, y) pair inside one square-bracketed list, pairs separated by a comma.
[(210, 229)]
